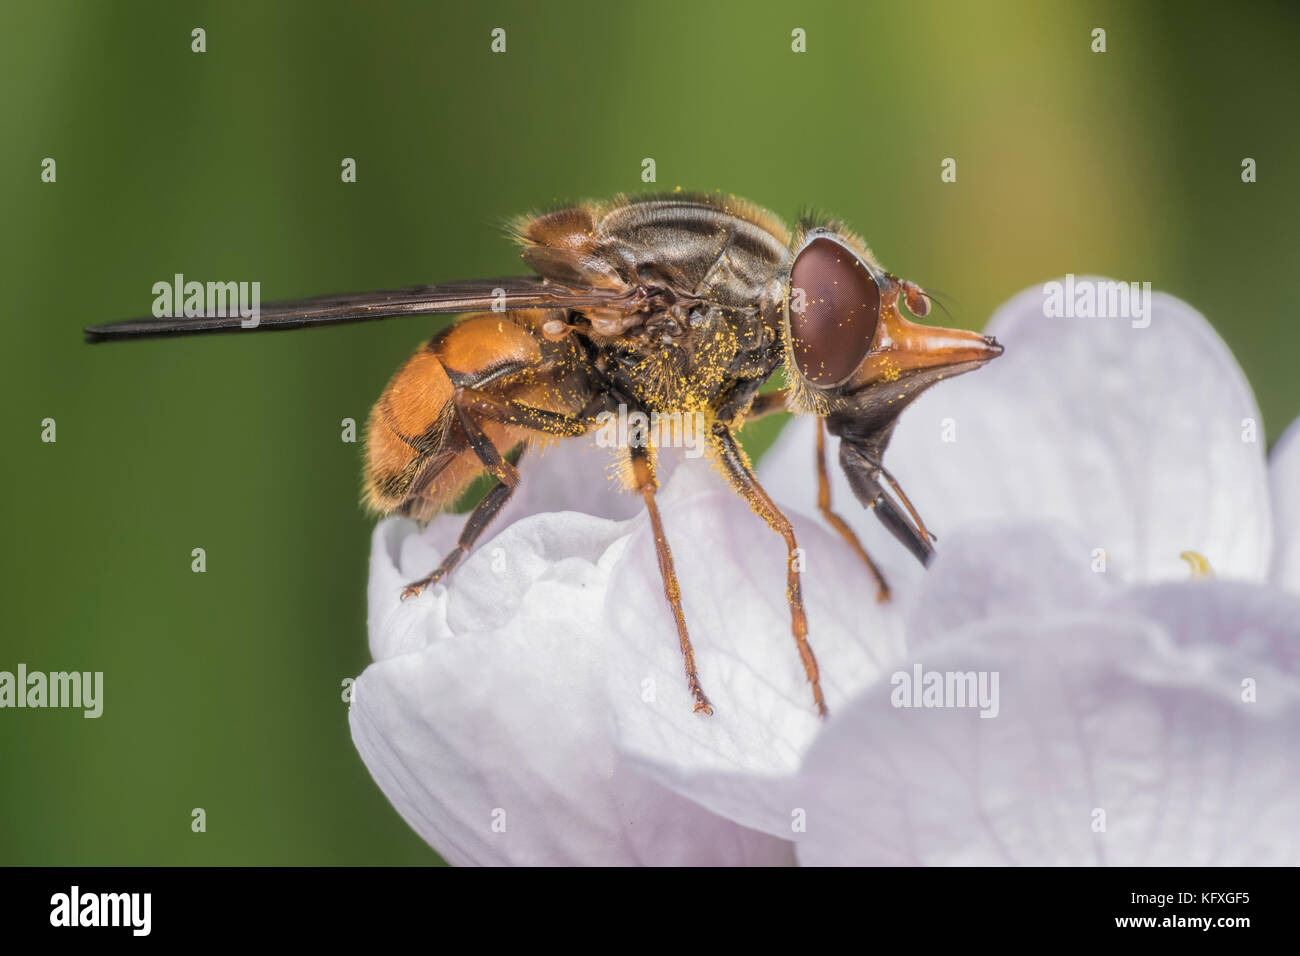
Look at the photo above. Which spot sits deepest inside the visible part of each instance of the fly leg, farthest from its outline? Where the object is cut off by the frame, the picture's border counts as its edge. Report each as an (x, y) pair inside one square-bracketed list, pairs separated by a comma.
[(916, 518), (643, 479), (507, 477), (768, 403), (741, 476), (475, 401), (468, 403), (838, 523), (862, 469)]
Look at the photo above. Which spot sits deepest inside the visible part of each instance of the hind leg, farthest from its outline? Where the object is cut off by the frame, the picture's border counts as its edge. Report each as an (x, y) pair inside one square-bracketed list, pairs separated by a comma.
[(469, 403)]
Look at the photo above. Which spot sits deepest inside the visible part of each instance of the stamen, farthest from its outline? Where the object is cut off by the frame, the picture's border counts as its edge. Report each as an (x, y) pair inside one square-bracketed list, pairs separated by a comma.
[(1200, 567)]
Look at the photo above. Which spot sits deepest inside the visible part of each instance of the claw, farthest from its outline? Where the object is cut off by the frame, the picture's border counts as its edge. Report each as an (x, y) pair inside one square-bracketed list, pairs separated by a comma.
[(702, 705), (415, 588)]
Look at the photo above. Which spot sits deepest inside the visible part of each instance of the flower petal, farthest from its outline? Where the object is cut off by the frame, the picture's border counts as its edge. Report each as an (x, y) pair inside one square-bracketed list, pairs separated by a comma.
[(1122, 736), (575, 475), (578, 474), (1021, 570), (732, 571), (1209, 612), (1284, 477), (485, 719), (1131, 436)]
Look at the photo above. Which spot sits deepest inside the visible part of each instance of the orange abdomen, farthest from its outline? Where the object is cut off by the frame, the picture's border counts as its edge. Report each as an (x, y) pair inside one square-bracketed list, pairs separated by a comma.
[(418, 457)]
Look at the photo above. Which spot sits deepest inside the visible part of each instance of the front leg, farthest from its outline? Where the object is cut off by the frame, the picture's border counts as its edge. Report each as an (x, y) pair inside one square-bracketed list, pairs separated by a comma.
[(838, 523), (862, 469)]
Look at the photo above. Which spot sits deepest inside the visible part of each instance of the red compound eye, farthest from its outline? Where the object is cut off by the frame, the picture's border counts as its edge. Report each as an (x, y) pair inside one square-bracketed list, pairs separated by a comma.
[(834, 308)]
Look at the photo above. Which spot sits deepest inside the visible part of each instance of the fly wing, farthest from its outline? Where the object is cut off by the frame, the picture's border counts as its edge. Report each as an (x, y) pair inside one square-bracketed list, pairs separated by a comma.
[(517, 292)]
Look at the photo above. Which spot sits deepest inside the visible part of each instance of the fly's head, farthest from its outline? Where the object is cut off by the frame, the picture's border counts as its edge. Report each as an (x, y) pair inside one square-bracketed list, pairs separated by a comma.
[(853, 358)]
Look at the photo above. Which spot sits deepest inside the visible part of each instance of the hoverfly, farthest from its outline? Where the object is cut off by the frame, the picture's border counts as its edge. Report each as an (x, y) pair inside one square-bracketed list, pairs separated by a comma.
[(662, 304)]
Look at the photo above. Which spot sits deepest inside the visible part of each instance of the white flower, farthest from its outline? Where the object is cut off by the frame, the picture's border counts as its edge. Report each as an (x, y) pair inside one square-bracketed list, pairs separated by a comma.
[(485, 717), (1145, 726), (1284, 476), (535, 710)]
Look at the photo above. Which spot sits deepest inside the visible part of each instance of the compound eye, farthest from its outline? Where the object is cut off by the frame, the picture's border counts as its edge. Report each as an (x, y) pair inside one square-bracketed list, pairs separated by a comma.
[(834, 307)]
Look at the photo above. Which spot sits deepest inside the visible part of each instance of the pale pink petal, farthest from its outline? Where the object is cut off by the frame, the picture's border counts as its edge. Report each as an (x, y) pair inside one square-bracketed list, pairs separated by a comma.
[(1014, 570), (731, 567), (1157, 729), (1284, 477), (486, 722)]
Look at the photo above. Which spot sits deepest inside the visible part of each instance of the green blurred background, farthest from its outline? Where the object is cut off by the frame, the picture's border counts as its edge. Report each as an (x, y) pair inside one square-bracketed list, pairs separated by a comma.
[(223, 689)]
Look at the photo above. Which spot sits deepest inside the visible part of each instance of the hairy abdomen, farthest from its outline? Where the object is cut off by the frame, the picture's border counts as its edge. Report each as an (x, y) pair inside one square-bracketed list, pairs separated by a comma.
[(418, 456)]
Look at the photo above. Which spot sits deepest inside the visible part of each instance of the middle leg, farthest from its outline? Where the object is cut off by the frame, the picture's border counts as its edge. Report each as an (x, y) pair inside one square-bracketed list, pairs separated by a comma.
[(741, 476)]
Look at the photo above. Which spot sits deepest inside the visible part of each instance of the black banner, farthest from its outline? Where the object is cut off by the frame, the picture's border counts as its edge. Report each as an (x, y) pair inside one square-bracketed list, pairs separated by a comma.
[(333, 905)]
